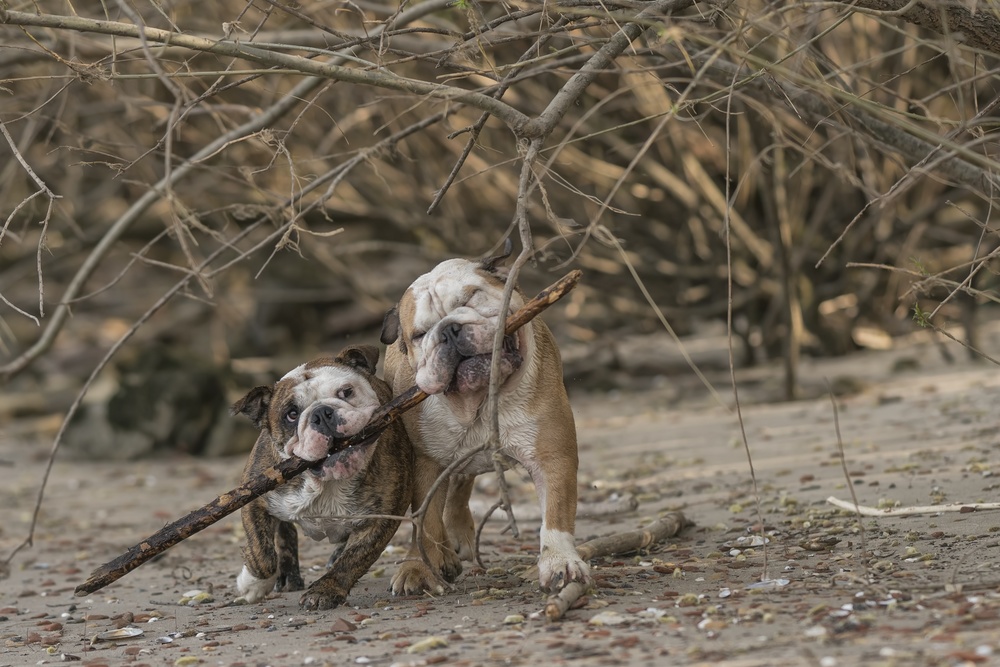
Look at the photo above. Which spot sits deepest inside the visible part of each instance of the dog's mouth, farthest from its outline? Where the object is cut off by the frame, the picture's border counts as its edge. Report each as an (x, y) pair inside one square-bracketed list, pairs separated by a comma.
[(326, 466), (473, 373)]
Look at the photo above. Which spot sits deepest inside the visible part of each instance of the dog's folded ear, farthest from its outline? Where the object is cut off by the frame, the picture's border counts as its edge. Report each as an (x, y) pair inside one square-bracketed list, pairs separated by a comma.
[(390, 326), (362, 357), (492, 264), (254, 405)]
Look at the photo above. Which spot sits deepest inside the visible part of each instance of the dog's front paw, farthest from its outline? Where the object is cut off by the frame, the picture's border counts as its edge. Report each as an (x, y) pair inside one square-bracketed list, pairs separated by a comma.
[(559, 562), (253, 589), (557, 570), (414, 577), (322, 595)]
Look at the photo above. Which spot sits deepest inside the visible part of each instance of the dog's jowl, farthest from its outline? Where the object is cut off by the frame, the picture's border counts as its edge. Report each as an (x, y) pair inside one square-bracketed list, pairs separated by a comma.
[(440, 337), (325, 398)]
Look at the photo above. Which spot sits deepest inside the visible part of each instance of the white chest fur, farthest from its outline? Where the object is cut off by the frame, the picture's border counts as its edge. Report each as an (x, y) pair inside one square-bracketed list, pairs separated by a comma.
[(446, 436), (313, 504)]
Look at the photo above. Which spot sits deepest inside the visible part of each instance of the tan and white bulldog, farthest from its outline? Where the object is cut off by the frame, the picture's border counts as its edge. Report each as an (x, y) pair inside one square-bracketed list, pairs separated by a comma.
[(440, 337), (315, 402)]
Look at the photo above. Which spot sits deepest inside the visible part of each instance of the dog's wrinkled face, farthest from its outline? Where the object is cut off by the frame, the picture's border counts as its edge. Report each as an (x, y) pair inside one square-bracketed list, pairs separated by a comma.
[(446, 321), (315, 402)]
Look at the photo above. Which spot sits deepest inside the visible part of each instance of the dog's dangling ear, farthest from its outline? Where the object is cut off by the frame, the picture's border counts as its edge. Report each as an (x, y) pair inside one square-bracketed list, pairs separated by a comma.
[(362, 357), (254, 405), (490, 264), (390, 326)]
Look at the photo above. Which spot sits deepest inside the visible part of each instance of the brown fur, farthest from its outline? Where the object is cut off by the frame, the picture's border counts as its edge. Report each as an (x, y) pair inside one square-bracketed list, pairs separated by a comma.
[(448, 522)]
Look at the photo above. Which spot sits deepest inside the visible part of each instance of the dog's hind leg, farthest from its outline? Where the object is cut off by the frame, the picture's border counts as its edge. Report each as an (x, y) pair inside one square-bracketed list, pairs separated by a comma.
[(414, 576), (260, 559), (458, 522)]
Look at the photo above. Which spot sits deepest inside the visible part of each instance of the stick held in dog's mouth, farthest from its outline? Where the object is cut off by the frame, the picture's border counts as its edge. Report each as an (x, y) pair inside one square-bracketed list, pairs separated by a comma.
[(227, 503)]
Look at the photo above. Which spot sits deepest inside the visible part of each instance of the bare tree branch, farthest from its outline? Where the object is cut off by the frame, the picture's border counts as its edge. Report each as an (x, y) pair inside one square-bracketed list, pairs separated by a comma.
[(260, 121), (978, 29), (326, 70), (598, 63)]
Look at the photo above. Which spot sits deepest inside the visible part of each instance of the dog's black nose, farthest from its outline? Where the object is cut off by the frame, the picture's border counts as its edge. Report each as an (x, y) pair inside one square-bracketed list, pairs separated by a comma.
[(324, 419), (449, 334)]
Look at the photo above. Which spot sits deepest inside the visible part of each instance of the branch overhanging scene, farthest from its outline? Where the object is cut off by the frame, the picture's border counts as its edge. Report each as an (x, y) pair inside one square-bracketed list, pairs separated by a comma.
[(780, 362)]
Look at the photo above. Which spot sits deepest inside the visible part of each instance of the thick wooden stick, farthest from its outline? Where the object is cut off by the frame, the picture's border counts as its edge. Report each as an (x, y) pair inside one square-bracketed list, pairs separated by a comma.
[(271, 478), (618, 543)]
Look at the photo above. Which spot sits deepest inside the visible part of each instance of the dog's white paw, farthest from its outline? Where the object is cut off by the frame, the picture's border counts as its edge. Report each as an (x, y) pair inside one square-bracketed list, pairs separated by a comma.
[(253, 589), (559, 562)]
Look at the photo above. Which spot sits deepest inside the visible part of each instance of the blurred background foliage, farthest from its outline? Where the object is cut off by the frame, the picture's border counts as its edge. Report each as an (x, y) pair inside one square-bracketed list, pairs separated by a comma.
[(825, 135)]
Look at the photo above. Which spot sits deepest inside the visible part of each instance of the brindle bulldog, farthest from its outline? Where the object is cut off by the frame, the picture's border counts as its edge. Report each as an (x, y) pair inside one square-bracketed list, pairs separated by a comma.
[(325, 398)]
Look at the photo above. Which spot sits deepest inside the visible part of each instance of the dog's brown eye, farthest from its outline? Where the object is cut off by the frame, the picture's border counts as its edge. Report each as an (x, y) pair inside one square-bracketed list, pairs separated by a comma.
[(292, 414), (345, 393), (418, 336)]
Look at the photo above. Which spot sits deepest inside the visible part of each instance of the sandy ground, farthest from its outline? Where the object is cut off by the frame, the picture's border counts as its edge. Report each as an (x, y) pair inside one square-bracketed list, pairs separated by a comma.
[(915, 430)]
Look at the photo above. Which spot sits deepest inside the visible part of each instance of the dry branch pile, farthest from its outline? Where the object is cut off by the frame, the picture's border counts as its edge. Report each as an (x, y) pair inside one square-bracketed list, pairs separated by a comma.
[(152, 150)]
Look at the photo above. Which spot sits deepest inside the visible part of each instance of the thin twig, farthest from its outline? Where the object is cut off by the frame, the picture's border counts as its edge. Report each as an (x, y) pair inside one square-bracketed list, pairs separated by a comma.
[(24, 164), (729, 340), (478, 126), (44, 223), (325, 70), (493, 396), (847, 479), (546, 121), (479, 530)]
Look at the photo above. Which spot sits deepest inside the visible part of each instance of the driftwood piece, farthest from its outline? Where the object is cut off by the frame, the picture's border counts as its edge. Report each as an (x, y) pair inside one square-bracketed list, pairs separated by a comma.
[(865, 510), (227, 503), (618, 543)]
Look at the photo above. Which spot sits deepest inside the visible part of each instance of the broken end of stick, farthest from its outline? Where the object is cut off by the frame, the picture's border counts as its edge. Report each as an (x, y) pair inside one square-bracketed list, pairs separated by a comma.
[(559, 603), (112, 571), (90, 585), (564, 285)]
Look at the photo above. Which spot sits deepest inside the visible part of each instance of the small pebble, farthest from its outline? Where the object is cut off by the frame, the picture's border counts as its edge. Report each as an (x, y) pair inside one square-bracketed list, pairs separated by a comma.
[(426, 644)]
